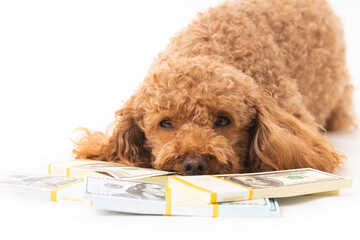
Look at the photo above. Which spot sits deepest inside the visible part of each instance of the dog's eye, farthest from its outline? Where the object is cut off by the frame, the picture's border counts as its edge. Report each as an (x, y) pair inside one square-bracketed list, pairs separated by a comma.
[(222, 121), (166, 124)]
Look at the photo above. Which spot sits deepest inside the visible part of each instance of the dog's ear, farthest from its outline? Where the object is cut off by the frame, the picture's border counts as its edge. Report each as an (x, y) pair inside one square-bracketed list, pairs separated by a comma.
[(123, 143), (127, 143), (280, 141)]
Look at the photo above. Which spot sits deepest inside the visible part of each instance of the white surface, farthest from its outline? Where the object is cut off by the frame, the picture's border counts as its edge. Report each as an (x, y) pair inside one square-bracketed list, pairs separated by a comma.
[(65, 64)]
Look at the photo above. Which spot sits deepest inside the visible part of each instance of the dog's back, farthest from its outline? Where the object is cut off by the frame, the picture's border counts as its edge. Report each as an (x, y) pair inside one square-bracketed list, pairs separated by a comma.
[(293, 48)]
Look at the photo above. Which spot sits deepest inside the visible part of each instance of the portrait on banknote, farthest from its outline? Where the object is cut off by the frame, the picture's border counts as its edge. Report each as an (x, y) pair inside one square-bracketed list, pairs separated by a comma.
[(130, 189), (254, 182)]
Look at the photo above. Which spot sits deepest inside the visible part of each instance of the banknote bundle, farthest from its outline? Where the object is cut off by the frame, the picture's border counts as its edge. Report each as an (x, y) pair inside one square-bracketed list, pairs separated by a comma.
[(276, 184), (148, 198), (43, 187), (82, 167)]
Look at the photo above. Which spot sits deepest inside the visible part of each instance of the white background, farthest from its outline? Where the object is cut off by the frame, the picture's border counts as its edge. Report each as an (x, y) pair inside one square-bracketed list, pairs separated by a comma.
[(66, 64)]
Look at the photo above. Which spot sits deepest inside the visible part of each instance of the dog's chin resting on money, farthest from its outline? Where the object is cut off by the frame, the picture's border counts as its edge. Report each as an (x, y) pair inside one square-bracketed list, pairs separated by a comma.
[(246, 87)]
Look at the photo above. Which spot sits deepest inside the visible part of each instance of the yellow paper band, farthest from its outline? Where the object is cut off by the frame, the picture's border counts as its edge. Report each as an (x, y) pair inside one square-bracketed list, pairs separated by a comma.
[(213, 195), (215, 210), (68, 172), (167, 201), (53, 193), (251, 192)]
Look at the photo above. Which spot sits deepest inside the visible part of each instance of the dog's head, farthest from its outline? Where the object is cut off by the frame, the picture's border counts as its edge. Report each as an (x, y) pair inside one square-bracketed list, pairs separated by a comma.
[(196, 116)]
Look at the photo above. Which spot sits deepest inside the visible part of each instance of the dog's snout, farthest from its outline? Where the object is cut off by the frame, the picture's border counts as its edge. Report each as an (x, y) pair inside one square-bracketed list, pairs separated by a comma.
[(195, 165)]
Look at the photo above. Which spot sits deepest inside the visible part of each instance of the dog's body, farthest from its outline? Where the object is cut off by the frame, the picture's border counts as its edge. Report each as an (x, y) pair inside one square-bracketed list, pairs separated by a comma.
[(248, 86)]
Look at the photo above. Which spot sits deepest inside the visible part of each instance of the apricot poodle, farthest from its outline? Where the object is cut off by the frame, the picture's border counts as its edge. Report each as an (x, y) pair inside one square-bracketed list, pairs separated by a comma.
[(248, 86)]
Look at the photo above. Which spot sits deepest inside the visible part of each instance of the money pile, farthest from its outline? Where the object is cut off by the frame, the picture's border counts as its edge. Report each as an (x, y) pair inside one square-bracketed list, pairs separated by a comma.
[(116, 187)]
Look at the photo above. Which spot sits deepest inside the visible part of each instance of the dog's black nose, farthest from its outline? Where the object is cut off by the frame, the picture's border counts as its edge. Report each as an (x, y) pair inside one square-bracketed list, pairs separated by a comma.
[(195, 165)]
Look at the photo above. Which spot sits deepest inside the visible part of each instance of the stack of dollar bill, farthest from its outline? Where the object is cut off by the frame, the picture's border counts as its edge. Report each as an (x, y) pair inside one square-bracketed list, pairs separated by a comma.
[(286, 183), (150, 198), (42, 187), (116, 187), (83, 168)]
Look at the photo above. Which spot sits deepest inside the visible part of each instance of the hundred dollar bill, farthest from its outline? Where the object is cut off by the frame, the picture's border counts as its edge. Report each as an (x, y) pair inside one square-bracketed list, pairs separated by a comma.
[(43, 187), (148, 198), (276, 184), (82, 168)]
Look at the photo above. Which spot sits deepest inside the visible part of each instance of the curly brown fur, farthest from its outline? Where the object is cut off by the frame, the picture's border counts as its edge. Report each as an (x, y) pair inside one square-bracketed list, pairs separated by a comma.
[(274, 71)]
